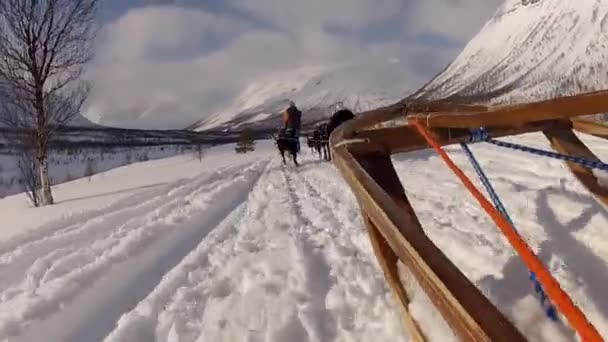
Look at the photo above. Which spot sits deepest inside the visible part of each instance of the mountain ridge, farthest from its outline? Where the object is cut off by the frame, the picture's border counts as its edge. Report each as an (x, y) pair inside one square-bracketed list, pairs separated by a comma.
[(529, 50), (317, 90)]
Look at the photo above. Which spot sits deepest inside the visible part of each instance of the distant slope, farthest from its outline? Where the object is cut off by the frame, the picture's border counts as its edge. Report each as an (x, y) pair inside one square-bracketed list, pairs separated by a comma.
[(317, 91), (530, 50)]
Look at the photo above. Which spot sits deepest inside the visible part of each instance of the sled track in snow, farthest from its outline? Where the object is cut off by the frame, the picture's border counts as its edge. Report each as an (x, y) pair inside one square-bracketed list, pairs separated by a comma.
[(90, 270), (335, 257), (276, 269), (320, 320)]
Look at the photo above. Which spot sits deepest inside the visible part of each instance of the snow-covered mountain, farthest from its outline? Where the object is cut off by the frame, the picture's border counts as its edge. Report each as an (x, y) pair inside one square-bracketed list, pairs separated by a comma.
[(530, 50), (318, 91)]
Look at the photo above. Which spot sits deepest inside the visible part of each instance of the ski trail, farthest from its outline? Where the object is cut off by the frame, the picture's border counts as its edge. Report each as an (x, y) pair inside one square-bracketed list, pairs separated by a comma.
[(86, 222), (319, 322), (271, 271), (359, 299), (91, 281), (85, 231), (247, 265)]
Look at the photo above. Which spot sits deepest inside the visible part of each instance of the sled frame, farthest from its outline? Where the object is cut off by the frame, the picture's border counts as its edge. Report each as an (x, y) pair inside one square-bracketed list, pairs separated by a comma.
[(362, 153)]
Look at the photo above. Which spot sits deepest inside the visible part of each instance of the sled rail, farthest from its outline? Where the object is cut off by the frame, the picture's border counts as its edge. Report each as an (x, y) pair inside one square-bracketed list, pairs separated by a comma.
[(362, 154)]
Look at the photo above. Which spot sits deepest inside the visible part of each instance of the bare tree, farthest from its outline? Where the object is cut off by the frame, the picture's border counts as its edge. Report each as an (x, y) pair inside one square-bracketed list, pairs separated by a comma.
[(44, 46)]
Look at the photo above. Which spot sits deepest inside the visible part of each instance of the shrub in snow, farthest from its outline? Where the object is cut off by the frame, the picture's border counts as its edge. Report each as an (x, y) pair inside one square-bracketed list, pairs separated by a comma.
[(90, 169), (246, 142)]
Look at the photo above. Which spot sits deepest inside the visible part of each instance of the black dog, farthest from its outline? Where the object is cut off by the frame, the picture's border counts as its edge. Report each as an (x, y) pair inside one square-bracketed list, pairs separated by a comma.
[(339, 118), (287, 143), (336, 120), (320, 141), (310, 142)]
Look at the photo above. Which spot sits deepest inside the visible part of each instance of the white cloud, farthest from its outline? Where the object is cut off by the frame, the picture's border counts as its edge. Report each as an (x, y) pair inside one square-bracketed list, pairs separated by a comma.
[(145, 33), (167, 66), (295, 15), (458, 20), (133, 87)]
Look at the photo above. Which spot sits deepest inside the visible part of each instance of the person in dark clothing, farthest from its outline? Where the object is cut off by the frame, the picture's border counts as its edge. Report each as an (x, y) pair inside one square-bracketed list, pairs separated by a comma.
[(292, 117), (292, 121)]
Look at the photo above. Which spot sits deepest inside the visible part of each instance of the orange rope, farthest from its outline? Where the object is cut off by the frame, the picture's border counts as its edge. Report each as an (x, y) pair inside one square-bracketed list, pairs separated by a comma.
[(560, 298)]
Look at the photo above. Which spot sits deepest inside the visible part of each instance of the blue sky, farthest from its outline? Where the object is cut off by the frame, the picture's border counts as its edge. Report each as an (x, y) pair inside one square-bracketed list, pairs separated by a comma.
[(166, 63)]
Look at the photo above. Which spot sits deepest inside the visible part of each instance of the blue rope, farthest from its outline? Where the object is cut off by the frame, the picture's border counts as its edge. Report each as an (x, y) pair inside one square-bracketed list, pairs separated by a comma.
[(486, 183), (481, 135), (538, 288)]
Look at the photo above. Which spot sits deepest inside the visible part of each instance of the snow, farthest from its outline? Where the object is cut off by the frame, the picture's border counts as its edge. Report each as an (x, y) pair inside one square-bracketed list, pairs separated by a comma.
[(530, 51), (240, 247), (316, 88), (74, 163), (105, 192)]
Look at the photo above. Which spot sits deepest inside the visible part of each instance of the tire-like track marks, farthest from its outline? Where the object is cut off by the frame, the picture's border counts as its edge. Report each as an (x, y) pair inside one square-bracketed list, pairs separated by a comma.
[(89, 274)]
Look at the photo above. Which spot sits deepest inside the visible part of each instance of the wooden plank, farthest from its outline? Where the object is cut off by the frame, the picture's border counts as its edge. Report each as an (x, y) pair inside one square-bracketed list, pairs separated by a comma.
[(470, 314), (365, 164), (402, 108), (388, 262), (590, 127), (566, 142), (560, 108), (407, 139), (373, 117)]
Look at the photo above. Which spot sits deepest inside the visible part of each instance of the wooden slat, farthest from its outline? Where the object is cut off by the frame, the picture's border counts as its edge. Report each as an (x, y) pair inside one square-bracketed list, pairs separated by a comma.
[(406, 138), (591, 127), (400, 110), (470, 314), (388, 262), (566, 142), (560, 108), (364, 161)]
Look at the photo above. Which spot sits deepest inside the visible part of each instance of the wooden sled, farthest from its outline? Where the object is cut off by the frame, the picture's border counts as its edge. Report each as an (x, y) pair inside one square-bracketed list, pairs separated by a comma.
[(362, 153)]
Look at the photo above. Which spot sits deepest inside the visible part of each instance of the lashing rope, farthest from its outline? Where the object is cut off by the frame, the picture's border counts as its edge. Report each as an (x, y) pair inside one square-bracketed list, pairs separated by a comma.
[(481, 135), (538, 288), (573, 314)]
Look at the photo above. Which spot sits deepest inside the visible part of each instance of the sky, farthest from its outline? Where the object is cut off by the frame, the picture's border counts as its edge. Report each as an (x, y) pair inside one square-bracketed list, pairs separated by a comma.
[(168, 63)]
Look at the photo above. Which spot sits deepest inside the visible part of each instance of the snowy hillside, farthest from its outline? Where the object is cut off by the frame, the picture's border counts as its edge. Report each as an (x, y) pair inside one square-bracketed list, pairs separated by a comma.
[(318, 91), (241, 248), (531, 50)]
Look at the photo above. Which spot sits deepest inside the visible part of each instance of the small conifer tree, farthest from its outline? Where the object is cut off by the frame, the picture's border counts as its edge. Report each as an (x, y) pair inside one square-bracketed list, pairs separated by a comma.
[(246, 142)]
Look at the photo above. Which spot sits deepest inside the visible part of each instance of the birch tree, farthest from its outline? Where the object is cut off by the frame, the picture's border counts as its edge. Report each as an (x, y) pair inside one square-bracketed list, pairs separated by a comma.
[(44, 47)]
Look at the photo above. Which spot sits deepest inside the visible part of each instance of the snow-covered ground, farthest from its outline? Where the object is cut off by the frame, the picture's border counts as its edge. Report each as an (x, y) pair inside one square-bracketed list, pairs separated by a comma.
[(241, 248), (70, 164)]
